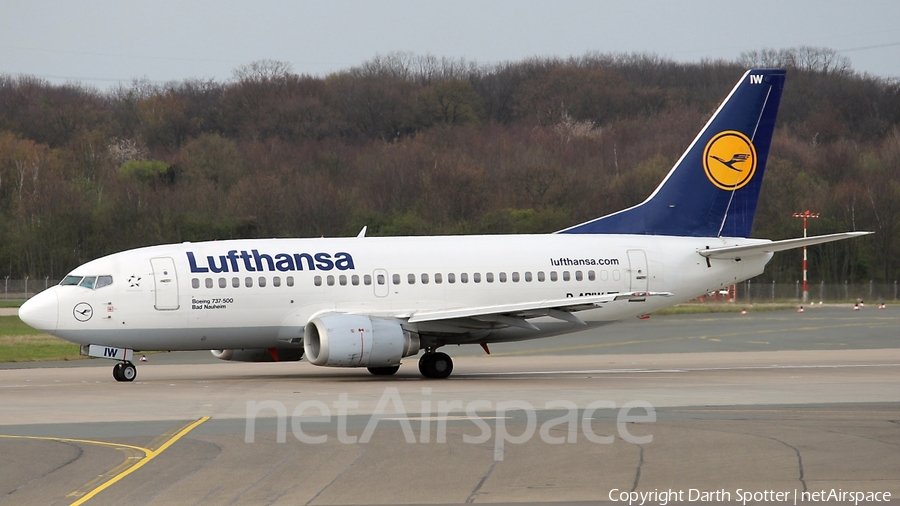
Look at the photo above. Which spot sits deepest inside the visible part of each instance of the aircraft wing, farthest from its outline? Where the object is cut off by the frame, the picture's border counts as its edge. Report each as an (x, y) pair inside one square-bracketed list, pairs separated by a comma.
[(515, 314), (732, 252)]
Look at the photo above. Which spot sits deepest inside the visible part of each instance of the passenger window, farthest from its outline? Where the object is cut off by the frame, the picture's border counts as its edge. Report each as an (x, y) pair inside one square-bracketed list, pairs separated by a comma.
[(209, 282), (223, 282), (276, 281), (528, 276), (354, 280), (317, 280), (489, 277), (262, 281), (603, 275), (342, 279), (330, 280), (248, 282), (451, 278), (553, 276), (464, 277), (195, 283), (578, 276), (74, 280), (424, 279), (476, 277), (438, 278), (395, 279), (235, 282), (88, 282), (381, 279), (616, 275), (367, 280), (411, 279), (566, 276), (541, 276), (103, 281), (502, 277), (290, 281), (515, 277)]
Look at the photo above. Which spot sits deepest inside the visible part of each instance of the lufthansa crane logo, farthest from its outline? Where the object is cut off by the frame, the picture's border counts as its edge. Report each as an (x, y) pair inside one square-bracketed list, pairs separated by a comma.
[(83, 311), (729, 160)]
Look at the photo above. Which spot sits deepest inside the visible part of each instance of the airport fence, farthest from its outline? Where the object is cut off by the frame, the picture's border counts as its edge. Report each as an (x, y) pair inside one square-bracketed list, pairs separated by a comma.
[(748, 291), (759, 291), (25, 288)]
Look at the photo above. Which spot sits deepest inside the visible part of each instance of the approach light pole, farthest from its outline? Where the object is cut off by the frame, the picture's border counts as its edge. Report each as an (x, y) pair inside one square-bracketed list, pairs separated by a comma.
[(805, 215)]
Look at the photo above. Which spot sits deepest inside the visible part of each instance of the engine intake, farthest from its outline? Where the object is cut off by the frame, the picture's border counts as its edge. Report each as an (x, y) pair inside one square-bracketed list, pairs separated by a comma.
[(348, 340), (260, 355)]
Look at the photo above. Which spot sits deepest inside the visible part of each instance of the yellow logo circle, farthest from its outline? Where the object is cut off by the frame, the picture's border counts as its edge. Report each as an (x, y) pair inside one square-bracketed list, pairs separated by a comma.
[(729, 160)]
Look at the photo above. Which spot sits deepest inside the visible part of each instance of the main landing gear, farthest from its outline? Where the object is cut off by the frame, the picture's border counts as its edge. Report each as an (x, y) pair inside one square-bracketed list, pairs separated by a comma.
[(124, 371), (435, 365)]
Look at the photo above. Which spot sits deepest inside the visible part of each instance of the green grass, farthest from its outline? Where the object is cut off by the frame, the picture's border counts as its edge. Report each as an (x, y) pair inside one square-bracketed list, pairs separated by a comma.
[(21, 343), (11, 302)]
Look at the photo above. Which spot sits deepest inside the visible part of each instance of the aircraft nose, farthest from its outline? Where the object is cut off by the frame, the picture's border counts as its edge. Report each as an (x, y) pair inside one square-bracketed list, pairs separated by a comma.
[(41, 311)]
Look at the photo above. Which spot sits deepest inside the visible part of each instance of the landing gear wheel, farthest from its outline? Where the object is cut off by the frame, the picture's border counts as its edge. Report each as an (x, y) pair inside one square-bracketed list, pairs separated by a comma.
[(129, 372), (436, 365), (384, 371), (124, 371)]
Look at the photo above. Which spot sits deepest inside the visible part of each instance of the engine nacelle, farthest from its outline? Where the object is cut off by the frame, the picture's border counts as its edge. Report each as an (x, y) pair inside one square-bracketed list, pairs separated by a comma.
[(260, 355), (347, 340)]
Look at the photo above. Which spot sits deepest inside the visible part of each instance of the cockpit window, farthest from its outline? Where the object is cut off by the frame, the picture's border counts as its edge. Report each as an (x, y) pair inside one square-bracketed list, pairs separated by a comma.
[(70, 281), (88, 282), (103, 281)]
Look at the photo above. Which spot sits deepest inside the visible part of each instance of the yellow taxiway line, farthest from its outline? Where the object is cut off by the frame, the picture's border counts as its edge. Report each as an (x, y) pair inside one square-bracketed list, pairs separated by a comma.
[(125, 468)]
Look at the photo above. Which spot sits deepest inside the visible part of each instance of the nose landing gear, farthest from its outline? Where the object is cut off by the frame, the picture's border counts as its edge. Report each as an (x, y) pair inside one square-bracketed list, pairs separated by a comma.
[(124, 370)]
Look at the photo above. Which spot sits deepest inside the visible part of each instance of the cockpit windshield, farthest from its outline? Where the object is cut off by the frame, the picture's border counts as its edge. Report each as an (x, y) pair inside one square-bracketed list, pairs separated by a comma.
[(89, 282), (71, 281)]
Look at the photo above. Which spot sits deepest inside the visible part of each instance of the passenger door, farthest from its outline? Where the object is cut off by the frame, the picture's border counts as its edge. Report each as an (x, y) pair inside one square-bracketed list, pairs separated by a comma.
[(165, 282), (637, 260)]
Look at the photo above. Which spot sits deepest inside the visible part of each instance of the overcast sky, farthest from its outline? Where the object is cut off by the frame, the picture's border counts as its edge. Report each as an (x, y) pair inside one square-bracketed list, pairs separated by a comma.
[(102, 42)]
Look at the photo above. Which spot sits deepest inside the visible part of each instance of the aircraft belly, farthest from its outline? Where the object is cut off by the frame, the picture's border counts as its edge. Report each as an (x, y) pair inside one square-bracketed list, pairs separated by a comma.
[(207, 338)]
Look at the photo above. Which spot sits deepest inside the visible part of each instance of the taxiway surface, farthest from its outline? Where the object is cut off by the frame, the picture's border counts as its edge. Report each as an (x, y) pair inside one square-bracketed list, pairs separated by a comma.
[(768, 401)]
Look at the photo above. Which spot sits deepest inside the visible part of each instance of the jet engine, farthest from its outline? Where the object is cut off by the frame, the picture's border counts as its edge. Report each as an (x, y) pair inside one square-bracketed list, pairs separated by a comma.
[(260, 355), (347, 340)]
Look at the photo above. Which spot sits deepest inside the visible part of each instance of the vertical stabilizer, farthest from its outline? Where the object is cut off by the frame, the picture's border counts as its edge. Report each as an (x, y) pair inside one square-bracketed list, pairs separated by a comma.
[(713, 189)]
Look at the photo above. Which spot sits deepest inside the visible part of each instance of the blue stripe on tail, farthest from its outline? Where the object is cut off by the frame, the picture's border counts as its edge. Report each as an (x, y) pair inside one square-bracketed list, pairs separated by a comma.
[(713, 189)]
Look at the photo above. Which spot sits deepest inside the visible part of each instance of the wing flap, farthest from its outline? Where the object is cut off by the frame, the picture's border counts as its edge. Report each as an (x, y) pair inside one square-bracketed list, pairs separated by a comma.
[(732, 252)]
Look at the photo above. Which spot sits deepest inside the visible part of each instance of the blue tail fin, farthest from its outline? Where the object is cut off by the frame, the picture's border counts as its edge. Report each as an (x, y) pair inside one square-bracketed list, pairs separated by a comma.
[(713, 188)]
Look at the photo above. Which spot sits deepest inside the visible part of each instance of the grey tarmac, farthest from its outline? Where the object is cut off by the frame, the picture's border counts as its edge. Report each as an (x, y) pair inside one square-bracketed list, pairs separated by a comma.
[(775, 401)]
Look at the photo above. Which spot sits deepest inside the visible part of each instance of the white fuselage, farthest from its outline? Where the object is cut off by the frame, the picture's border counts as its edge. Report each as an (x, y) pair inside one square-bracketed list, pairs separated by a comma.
[(171, 297)]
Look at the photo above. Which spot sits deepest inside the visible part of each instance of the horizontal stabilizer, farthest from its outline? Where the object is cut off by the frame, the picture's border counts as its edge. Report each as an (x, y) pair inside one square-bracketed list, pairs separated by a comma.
[(550, 308), (732, 252)]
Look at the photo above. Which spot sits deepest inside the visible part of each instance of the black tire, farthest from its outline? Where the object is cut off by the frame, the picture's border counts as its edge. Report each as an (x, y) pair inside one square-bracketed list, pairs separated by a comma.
[(441, 365), (423, 364), (436, 365), (117, 371), (129, 372), (384, 371)]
